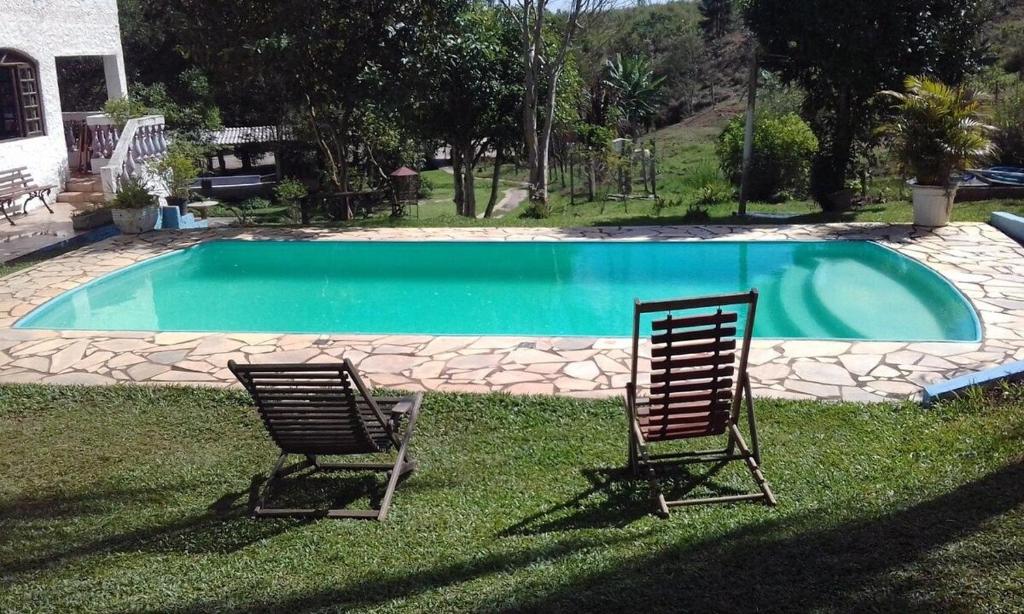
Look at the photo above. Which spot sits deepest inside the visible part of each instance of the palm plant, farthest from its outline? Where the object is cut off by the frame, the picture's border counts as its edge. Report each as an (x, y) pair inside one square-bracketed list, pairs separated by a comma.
[(938, 129), (635, 89)]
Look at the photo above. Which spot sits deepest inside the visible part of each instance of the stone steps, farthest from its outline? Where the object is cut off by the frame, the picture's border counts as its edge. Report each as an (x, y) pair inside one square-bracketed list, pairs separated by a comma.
[(84, 184), (80, 198)]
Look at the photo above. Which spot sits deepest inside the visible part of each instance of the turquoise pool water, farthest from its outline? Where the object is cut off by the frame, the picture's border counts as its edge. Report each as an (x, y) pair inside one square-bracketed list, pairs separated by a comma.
[(820, 290)]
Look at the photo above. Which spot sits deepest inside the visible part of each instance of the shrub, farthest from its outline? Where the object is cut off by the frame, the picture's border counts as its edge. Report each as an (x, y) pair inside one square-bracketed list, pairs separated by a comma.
[(426, 188), (1008, 118), (937, 130), (120, 110), (293, 194), (132, 193), (707, 184), (784, 146), (246, 209), (178, 168)]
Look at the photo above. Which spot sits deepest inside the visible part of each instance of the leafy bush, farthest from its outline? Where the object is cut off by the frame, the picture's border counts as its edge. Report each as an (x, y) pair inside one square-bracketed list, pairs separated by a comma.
[(132, 193), (290, 191), (120, 110), (293, 194), (247, 209), (196, 116), (707, 184), (426, 188), (937, 129), (1008, 118), (179, 168), (784, 146), (697, 214), (538, 210)]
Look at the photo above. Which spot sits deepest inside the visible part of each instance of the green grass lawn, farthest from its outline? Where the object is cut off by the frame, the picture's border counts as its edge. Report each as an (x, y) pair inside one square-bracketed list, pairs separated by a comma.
[(132, 499), (685, 155), (7, 269)]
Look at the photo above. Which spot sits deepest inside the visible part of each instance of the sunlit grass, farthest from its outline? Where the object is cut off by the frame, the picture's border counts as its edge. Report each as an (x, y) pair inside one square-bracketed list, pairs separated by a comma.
[(133, 499)]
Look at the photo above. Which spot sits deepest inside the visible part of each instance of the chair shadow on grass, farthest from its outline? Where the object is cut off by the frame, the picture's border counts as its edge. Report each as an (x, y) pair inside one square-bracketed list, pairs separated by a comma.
[(310, 488), (224, 527), (616, 498), (800, 563)]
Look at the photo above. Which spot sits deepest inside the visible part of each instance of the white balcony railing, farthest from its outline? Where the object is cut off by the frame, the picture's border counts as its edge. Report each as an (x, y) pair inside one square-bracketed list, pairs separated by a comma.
[(141, 140)]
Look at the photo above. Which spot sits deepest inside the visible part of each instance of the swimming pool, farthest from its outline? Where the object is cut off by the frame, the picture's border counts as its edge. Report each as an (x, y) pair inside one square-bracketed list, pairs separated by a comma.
[(809, 289)]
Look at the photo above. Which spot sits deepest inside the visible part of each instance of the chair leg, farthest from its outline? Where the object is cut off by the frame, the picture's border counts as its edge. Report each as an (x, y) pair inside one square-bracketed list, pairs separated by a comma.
[(755, 469), (269, 484), (631, 461), (753, 421), (403, 464)]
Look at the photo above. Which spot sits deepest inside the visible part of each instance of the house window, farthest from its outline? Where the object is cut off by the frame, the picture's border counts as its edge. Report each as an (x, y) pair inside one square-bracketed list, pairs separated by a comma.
[(21, 104)]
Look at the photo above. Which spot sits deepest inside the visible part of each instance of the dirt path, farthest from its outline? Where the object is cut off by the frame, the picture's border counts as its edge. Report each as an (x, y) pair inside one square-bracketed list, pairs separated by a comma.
[(512, 199)]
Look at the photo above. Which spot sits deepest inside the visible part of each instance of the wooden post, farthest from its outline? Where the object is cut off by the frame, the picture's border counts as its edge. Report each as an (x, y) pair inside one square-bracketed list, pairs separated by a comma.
[(748, 130)]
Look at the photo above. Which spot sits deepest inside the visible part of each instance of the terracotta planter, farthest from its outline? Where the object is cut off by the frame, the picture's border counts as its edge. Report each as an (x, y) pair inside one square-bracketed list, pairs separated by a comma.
[(92, 219), (933, 204), (136, 221)]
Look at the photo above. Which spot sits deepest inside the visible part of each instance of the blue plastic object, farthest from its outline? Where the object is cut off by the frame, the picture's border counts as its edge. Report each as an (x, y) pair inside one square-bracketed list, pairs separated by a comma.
[(1012, 225), (1010, 371)]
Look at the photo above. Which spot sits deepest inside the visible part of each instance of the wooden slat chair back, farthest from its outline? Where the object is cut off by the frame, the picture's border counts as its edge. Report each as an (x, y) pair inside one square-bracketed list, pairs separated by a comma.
[(698, 382), (18, 182), (325, 409), (316, 409)]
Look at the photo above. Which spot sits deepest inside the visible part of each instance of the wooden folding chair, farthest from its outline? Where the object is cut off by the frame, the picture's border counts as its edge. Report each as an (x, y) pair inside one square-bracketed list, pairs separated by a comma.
[(698, 384), (325, 409)]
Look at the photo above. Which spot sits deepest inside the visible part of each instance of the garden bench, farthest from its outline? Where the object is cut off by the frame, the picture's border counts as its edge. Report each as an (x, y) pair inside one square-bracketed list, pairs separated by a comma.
[(18, 182)]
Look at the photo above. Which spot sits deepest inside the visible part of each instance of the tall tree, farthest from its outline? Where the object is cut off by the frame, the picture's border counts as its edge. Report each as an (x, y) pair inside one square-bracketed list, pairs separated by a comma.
[(543, 61), (842, 53), (716, 16), (469, 76)]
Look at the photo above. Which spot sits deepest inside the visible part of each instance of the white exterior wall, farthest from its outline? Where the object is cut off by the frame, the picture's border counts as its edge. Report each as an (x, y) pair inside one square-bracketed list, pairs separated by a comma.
[(45, 30)]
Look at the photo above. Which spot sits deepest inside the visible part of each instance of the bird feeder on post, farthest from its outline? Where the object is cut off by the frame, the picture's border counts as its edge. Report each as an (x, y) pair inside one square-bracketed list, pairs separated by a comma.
[(405, 185)]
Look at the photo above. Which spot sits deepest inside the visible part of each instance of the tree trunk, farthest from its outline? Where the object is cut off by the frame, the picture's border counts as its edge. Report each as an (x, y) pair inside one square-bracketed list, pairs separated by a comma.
[(495, 179), (457, 179), (828, 172), (530, 106), (469, 179), (591, 177)]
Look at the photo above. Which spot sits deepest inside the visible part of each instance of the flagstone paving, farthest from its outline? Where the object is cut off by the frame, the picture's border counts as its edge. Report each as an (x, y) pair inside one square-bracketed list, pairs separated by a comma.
[(984, 264)]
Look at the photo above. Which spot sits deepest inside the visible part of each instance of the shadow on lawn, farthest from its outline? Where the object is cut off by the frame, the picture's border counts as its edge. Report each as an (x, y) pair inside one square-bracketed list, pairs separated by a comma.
[(788, 565), (224, 527), (791, 565), (616, 498)]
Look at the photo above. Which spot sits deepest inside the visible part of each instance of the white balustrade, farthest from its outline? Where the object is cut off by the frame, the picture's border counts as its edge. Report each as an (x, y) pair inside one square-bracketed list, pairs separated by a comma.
[(142, 139)]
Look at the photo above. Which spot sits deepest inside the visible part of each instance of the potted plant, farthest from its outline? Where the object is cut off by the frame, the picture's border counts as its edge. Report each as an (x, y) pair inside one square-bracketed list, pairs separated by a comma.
[(134, 209), (177, 170), (91, 217), (937, 131)]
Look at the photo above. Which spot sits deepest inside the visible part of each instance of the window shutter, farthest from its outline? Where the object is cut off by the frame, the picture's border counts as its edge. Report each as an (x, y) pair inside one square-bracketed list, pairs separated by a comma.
[(31, 101)]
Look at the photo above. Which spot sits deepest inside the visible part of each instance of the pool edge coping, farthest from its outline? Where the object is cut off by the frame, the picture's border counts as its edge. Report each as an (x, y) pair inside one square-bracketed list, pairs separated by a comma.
[(918, 244)]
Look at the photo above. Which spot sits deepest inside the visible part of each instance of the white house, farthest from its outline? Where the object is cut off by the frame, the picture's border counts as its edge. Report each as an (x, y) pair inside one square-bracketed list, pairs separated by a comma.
[(33, 34)]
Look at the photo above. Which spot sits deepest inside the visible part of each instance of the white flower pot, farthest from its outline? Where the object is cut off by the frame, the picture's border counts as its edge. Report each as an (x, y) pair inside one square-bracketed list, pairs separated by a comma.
[(932, 204), (136, 221)]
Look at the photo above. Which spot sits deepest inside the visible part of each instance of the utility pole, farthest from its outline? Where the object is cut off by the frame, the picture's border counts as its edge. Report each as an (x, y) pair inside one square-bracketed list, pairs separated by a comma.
[(748, 130)]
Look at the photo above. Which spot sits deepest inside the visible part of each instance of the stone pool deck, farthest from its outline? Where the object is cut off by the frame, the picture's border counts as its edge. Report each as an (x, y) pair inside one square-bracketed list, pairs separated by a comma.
[(981, 261)]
